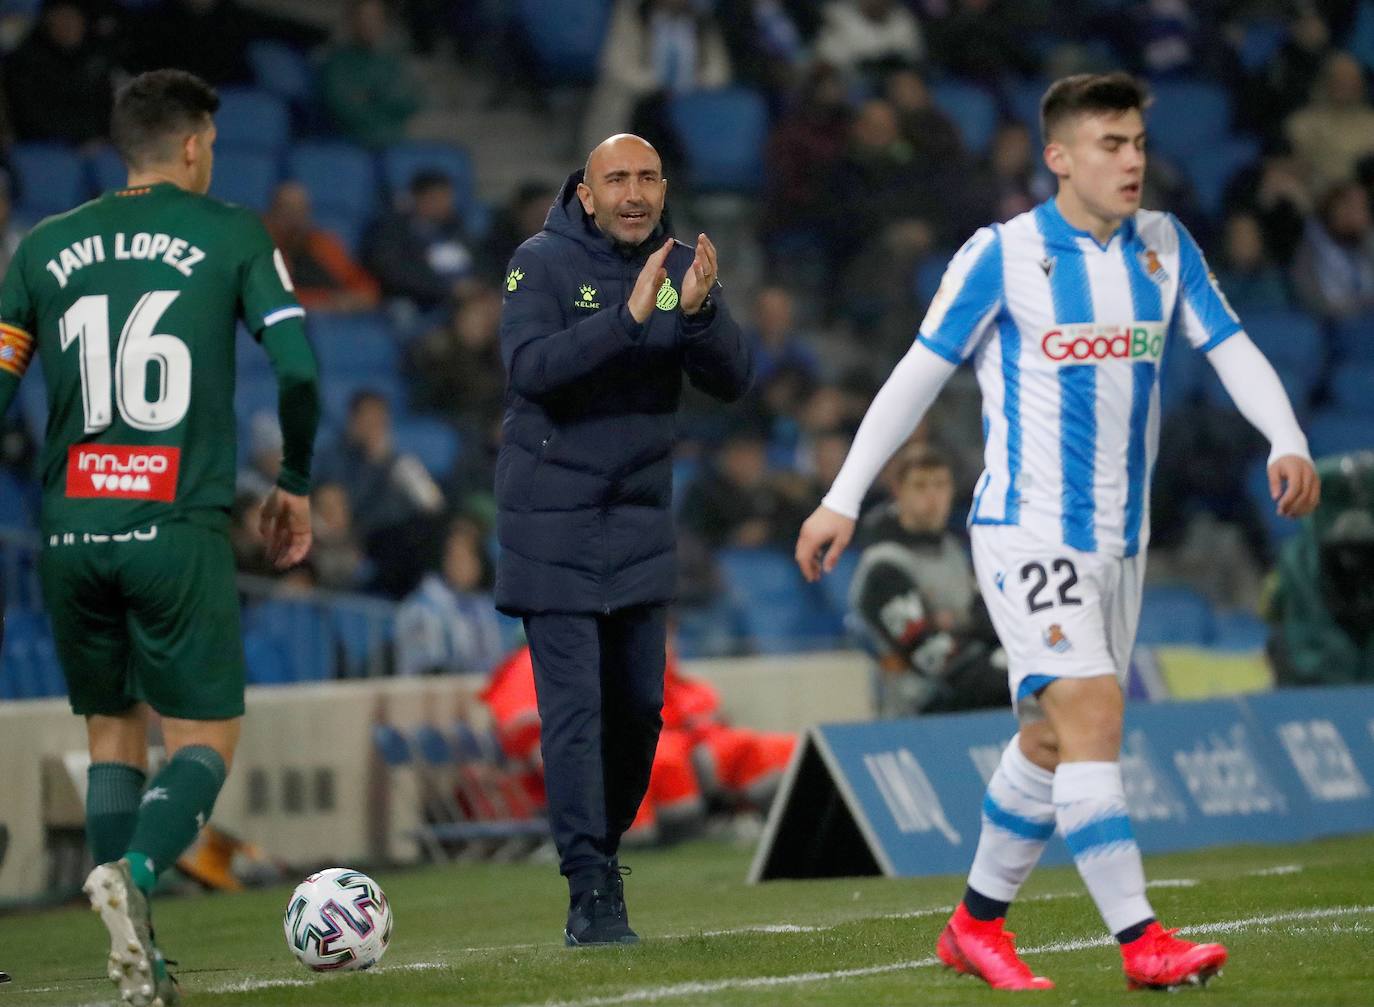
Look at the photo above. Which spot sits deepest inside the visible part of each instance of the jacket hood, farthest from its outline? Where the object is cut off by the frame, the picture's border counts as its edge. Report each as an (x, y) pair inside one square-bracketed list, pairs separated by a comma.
[(566, 217)]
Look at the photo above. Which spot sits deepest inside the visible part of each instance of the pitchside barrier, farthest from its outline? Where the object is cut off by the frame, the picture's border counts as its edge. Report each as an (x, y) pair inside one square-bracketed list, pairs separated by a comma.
[(903, 797)]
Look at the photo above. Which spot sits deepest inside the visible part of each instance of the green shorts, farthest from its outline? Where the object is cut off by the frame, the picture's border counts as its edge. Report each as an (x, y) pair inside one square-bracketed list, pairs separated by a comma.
[(150, 616)]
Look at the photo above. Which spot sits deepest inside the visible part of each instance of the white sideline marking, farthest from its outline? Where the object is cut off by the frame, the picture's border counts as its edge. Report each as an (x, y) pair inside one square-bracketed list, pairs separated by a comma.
[(765, 928), (757, 982), (249, 985), (1272, 871), (1172, 883)]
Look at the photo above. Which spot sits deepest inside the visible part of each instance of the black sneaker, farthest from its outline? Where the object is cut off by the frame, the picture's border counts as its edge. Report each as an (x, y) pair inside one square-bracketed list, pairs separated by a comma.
[(599, 916)]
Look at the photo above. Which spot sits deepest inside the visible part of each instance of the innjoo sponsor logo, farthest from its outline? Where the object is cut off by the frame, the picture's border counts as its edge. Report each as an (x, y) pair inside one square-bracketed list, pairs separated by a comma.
[(1138, 342), (122, 472)]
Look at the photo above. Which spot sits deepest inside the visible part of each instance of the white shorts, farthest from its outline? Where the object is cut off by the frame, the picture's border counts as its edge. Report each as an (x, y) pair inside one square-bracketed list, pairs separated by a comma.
[(1059, 613)]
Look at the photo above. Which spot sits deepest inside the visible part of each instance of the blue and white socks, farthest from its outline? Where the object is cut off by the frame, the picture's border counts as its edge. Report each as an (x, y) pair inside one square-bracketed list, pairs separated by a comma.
[(1090, 808), (1018, 819)]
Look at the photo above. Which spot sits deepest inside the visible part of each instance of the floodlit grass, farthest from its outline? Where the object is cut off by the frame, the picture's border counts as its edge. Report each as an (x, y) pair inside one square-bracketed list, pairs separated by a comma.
[(1299, 921)]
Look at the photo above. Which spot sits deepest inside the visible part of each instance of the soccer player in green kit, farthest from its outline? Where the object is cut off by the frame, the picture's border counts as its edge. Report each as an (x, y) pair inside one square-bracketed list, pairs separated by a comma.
[(131, 301)]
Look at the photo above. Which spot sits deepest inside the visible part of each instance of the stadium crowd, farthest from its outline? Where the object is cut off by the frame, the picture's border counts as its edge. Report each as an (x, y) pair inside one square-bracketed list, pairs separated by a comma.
[(889, 130)]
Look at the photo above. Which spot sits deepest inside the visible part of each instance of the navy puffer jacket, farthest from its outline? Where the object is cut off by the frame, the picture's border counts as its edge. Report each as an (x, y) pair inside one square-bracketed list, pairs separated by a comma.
[(584, 477)]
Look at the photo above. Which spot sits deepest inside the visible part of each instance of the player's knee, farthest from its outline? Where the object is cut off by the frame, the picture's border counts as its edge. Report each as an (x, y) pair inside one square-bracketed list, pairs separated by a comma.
[(1038, 744)]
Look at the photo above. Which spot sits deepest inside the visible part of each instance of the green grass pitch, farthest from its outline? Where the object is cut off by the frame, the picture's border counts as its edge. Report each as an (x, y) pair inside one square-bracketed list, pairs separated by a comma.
[(1299, 921)]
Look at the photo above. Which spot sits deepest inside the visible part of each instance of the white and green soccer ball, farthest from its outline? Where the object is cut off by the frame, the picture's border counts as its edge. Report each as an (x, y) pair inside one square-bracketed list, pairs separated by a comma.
[(338, 921)]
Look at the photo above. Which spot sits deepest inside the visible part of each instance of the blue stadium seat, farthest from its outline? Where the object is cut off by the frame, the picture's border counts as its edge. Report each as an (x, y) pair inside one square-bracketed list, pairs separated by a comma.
[(51, 180), (834, 588), (401, 162), (20, 8), (391, 745), (432, 746), (707, 630), (1212, 173), (1352, 389), (434, 442), (359, 640), (1022, 99), (776, 608), (338, 392), (340, 177), (566, 36), (353, 344), (245, 177), (1237, 630), (33, 401), (251, 119), (1260, 41), (1354, 338), (264, 660), (30, 669), (281, 70), (347, 227), (1188, 117), (105, 170), (254, 392), (1334, 433), (929, 272), (1361, 42), (1175, 615), (1181, 380), (723, 133), (16, 501), (297, 630), (973, 110)]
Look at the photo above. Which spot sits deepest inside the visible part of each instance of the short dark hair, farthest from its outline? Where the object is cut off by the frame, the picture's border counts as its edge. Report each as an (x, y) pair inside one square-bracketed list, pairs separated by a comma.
[(1087, 94), (155, 107), (921, 458), (429, 178)]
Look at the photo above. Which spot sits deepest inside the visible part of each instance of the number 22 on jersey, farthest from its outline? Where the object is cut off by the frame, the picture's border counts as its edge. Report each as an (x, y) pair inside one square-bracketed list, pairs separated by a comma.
[(87, 323)]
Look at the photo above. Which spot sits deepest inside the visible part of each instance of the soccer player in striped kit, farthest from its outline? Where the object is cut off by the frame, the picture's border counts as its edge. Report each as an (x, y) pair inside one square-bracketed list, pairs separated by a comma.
[(1066, 312)]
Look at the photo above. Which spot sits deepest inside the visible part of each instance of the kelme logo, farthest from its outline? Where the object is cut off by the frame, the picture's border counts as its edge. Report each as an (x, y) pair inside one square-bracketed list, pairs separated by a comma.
[(513, 279), (667, 296), (587, 297)]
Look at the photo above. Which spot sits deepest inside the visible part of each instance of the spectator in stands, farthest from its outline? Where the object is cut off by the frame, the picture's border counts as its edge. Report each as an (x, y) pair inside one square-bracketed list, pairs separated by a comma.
[(654, 49), (457, 367), (210, 38), (915, 593), (767, 40), (336, 554), (10, 229), (1334, 268), (865, 38), (59, 79), (932, 134), (365, 83), (1336, 128), (263, 448), (385, 487), (448, 624), (777, 344), (1323, 609), (1247, 272), (806, 145), (421, 251), (1008, 181), (245, 536), (521, 218), (1288, 78), (737, 502), (1275, 192), (326, 277), (981, 40)]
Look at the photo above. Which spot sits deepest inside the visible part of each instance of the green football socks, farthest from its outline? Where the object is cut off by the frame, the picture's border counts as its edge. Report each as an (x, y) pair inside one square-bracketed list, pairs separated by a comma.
[(113, 790), (176, 804)]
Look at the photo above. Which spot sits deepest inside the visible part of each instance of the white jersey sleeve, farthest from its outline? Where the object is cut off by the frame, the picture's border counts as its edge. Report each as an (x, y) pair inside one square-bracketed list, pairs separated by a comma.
[(968, 300), (1203, 314)]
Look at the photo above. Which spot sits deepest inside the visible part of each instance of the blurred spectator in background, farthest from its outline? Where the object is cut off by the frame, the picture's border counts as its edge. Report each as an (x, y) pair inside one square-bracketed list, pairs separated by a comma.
[(250, 549), (10, 229), (1336, 128), (1169, 37), (336, 554), (915, 594), (262, 447), (385, 488), (365, 82), (981, 40), (210, 38), (654, 49), (59, 79), (457, 367), (448, 624), (932, 134), (1323, 608), (326, 276), (767, 40), (420, 251), (1287, 78), (522, 217), (777, 344), (1274, 191), (1010, 180), (866, 38), (1334, 268), (805, 146), (1246, 271), (736, 501)]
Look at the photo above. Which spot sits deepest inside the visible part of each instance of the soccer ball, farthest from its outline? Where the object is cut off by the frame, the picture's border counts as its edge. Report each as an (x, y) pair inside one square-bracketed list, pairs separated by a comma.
[(338, 920)]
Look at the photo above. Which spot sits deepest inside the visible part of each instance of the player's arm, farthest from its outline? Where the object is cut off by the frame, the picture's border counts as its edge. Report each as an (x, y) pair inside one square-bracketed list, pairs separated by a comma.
[(277, 320), (962, 311), (1210, 324), (17, 324)]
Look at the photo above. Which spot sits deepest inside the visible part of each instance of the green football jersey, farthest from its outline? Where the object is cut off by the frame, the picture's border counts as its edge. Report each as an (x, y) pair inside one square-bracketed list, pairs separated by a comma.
[(131, 302)]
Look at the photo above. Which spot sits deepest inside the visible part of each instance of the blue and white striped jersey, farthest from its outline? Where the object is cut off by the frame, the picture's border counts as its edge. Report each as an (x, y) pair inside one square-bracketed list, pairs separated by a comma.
[(1067, 337)]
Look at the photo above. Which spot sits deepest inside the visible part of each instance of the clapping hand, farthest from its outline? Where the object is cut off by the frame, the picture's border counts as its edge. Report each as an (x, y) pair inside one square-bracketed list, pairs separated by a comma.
[(700, 278)]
